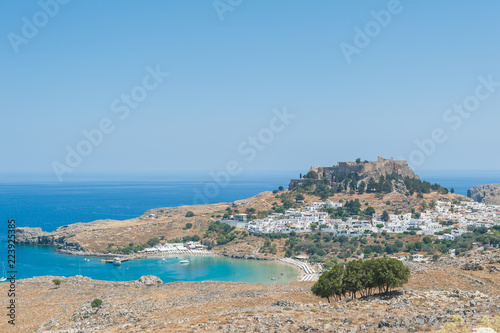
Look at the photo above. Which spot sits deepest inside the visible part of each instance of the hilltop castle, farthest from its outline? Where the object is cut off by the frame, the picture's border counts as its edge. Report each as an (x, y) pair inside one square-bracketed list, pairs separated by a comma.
[(360, 171)]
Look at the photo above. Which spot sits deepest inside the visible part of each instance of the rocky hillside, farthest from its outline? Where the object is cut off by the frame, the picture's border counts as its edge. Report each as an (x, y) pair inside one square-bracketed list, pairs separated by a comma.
[(383, 175), (368, 169), (489, 194), (438, 294)]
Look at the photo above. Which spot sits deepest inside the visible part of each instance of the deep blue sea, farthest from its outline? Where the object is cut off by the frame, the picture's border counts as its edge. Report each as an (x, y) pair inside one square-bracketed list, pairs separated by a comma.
[(461, 181), (38, 201), (41, 201)]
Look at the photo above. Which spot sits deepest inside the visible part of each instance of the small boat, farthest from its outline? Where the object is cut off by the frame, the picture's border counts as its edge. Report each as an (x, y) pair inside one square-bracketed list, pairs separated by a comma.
[(117, 261), (184, 262), (85, 259), (273, 278)]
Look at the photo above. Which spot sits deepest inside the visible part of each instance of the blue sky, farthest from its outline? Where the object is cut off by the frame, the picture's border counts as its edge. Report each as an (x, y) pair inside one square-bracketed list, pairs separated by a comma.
[(228, 78)]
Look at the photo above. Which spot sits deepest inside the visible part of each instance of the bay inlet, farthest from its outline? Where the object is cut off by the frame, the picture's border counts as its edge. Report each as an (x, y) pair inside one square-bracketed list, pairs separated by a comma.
[(44, 260)]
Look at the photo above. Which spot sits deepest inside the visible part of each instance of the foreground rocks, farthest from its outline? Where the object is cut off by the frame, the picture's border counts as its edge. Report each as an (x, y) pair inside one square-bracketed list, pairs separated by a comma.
[(150, 281), (433, 297), (479, 259), (473, 265)]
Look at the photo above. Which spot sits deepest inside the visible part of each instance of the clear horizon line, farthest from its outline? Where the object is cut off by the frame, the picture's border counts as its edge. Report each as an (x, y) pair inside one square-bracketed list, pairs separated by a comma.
[(201, 170)]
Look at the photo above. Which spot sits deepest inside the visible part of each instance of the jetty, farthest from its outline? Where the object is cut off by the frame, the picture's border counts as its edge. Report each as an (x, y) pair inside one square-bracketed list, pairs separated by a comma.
[(110, 261)]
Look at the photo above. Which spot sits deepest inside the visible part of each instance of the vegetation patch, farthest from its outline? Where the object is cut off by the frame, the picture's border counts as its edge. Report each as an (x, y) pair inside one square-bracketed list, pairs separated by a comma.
[(363, 277)]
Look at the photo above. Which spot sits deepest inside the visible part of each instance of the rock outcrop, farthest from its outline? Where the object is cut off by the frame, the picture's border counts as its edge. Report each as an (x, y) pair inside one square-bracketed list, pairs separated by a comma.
[(488, 194), (150, 281), (473, 265), (36, 236), (363, 171)]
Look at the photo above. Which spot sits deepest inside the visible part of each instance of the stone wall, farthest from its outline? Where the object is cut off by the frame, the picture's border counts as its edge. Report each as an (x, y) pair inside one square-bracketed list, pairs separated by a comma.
[(365, 171)]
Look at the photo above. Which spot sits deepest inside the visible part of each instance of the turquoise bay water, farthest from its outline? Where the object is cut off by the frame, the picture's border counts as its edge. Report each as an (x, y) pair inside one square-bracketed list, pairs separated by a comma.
[(41, 202), (43, 260)]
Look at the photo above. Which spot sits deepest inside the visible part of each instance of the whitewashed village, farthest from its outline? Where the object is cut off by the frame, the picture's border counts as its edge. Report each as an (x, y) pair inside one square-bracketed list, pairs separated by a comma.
[(445, 221)]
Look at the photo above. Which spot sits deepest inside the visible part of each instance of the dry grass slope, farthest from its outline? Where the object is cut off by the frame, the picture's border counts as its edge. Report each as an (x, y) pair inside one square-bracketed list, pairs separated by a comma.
[(435, 294)]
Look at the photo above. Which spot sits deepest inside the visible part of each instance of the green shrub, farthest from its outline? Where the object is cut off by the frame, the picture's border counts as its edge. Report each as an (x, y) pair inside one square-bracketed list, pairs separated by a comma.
[(96, 303), (153, 241)]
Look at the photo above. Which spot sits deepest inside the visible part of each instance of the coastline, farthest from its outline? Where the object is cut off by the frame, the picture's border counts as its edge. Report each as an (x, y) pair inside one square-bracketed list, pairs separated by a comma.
[(306, 273), (304, 270), (300, 273)]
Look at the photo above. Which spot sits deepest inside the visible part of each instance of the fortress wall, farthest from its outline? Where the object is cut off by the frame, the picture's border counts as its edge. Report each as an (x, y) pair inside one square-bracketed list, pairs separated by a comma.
[(375, 169)]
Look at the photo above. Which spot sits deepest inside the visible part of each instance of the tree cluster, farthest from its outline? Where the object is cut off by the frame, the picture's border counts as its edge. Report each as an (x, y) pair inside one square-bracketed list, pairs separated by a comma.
[(221, 231), (361, 277), (416, 185)]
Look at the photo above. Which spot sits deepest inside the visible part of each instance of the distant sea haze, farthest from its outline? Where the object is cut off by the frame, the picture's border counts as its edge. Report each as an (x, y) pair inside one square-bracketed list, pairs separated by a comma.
[(37, 203)]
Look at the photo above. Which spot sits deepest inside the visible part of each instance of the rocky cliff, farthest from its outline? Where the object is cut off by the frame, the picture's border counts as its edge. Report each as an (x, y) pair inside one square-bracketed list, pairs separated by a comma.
[(36, 236), (488, 194), (362, 171)]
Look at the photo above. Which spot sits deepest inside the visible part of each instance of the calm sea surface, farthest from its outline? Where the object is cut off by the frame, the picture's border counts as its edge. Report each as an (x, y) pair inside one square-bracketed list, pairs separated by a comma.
[(43, 260), (38, 201)]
